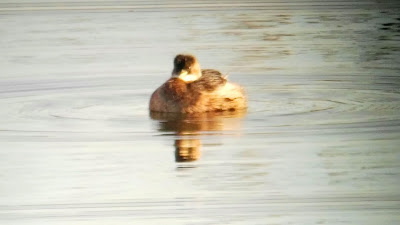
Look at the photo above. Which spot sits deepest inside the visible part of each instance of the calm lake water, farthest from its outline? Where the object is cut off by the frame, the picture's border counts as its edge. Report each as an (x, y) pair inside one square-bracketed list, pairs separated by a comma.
[(319, 144)]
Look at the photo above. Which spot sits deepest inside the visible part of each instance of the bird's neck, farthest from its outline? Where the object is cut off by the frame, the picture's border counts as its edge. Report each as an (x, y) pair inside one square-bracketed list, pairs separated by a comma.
[(190, 77)]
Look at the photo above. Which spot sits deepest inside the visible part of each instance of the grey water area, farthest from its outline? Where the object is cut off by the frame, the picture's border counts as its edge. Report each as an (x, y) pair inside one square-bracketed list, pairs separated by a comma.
[(319, 143)]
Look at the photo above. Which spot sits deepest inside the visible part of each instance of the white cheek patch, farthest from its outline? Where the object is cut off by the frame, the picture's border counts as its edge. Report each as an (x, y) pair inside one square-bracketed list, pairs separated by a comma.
[(188, 77)]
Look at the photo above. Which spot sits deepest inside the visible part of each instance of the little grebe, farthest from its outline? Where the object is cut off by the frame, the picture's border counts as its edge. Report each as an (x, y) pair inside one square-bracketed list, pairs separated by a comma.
[(194, 90)]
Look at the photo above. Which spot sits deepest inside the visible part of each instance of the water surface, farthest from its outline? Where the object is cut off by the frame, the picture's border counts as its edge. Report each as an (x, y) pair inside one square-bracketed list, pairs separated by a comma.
[(319, 143)]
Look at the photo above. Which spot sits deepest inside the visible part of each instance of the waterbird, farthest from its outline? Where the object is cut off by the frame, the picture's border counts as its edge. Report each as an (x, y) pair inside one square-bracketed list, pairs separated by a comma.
[(191, 89)]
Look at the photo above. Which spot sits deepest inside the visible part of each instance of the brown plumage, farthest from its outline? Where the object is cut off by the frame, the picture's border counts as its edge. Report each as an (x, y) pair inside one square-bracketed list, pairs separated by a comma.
[(192, 90)]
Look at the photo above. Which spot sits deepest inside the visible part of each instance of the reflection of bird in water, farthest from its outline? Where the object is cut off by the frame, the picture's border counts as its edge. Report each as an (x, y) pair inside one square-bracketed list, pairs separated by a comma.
[(192, 90), (187, 150), (188, 128)]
